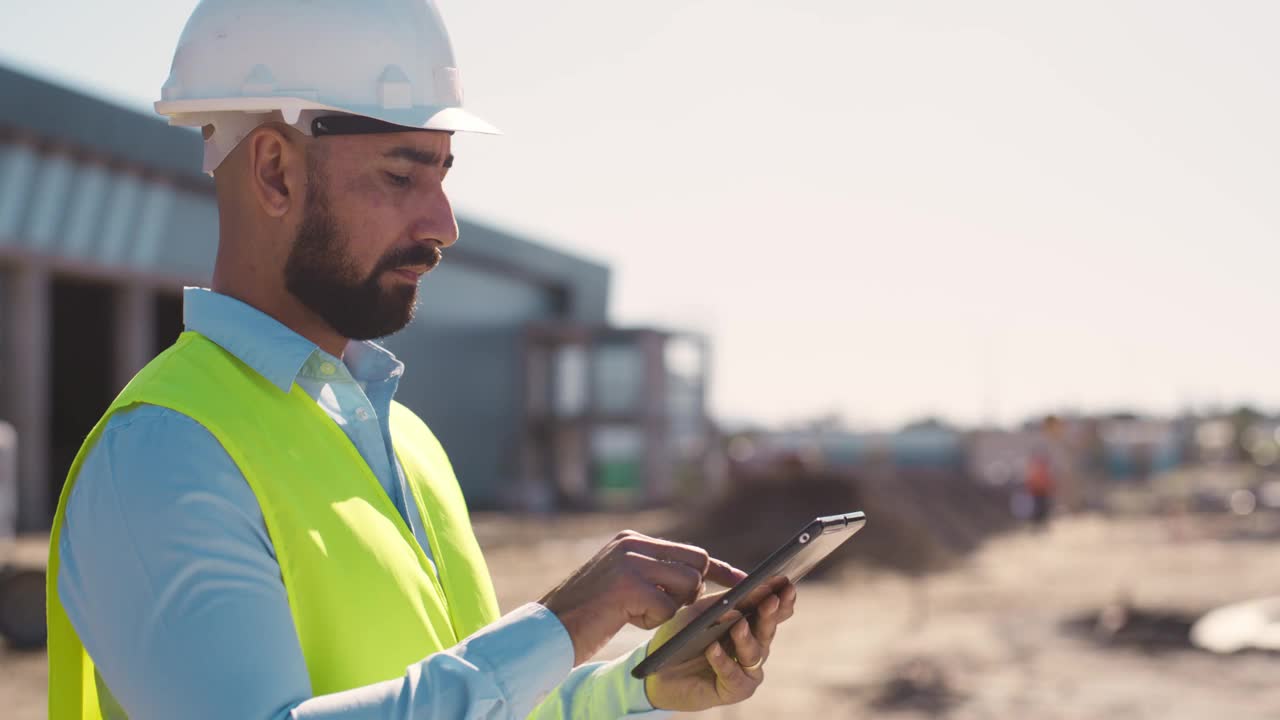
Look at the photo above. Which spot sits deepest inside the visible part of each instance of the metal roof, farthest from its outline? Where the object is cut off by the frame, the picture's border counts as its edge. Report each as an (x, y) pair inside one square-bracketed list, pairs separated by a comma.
[(85, 179), (48, 111)]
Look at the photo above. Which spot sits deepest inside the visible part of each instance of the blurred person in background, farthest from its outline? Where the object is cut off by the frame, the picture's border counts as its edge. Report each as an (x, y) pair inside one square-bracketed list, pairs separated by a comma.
[(255, 528), (1040, 486)]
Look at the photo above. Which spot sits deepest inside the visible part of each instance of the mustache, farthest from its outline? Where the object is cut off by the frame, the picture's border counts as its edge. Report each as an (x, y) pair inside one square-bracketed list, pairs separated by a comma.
[(428, 255)]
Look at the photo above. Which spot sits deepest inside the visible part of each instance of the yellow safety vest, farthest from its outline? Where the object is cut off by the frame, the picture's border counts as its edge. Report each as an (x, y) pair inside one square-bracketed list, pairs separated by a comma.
[(365, 602)]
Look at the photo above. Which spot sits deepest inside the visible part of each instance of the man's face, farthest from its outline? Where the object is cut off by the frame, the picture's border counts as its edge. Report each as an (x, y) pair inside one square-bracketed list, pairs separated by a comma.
[(374, 221)]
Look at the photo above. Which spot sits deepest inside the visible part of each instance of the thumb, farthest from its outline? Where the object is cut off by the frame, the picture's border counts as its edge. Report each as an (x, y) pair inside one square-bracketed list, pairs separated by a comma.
[(724, 574)]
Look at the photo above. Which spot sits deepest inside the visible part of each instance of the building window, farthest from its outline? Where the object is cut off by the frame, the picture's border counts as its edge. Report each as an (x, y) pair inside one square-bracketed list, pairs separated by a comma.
[(571, 381), (619, 372)]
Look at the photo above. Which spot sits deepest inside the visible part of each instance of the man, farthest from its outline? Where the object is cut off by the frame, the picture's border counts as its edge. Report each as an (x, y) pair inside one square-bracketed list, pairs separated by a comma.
[(256, 529)]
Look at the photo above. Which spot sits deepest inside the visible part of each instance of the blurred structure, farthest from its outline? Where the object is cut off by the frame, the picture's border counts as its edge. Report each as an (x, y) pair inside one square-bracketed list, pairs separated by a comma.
[(1134, 450), (8, 481), (1260, 442), (1215, 441), (928, 447), (616, 418), (105, 216)]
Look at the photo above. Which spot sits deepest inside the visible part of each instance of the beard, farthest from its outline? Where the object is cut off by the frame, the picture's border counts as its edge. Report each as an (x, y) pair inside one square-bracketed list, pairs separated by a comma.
[(323, 276)]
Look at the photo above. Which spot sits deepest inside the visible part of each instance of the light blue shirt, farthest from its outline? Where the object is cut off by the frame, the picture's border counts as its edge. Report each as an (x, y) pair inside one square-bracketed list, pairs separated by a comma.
[(171, 581)]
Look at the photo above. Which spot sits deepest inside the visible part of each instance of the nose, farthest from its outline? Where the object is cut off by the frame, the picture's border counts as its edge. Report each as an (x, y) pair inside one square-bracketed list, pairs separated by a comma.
[(437, 224)]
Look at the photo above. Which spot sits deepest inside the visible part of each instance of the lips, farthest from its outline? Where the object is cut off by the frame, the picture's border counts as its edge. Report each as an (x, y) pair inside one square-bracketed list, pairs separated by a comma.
[(415, 262), (411, 273)]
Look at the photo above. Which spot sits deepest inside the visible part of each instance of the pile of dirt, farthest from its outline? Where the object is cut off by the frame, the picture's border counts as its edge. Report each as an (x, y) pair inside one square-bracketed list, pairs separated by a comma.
[(1121, 625), (919, 685), (917, 521)]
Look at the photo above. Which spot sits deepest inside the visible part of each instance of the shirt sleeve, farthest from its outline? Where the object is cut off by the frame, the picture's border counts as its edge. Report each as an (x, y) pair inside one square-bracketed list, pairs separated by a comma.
[(170, 580), (601, 690)]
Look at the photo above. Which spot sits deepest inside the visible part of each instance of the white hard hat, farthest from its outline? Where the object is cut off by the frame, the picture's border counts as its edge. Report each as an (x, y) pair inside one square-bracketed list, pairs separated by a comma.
[(240, 61)]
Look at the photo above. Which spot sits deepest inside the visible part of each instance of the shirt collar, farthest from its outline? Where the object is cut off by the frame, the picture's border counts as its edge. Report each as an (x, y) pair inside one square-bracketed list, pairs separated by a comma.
[(274, 351), (369, 362), (260, 341)]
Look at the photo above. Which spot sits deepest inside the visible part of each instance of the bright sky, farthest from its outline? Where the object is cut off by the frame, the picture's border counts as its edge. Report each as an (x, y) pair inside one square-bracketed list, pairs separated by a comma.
[(880, 209)]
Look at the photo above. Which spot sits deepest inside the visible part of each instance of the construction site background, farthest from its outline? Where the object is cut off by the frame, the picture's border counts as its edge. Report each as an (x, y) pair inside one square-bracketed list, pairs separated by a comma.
[(949, 604)]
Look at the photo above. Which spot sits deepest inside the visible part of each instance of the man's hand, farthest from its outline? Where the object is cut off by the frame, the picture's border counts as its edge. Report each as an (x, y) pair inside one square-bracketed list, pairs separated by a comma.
[(636, 580), (720, 676)]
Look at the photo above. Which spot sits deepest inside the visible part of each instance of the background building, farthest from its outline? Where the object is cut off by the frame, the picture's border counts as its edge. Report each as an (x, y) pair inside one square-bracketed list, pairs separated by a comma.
[(105, 216), (616, 418)]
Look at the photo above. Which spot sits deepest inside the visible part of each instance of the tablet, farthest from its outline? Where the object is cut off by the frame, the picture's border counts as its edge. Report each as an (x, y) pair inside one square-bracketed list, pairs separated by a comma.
[(792, 561)]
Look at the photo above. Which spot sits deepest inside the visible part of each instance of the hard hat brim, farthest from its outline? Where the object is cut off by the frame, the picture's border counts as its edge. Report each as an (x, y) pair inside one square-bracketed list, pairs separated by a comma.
[(445, 119)]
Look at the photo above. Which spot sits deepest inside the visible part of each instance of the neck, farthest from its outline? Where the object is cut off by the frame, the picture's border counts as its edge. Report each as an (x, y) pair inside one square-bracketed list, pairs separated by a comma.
[(247, 284)]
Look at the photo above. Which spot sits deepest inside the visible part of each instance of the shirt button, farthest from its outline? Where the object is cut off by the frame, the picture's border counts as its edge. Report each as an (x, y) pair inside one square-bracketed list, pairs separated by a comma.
[(328, 369), (362, 413)]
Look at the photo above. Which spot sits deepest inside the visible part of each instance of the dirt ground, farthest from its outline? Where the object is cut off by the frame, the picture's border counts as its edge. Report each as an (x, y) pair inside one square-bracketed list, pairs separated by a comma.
[(984, 641)]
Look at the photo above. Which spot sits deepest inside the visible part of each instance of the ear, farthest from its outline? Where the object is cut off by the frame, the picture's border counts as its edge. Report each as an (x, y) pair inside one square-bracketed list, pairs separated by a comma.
[(277, 170)]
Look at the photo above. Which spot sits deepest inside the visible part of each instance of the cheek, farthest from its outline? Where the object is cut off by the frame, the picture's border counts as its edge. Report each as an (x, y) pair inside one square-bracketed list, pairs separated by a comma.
[(364, 191), (371, 222)]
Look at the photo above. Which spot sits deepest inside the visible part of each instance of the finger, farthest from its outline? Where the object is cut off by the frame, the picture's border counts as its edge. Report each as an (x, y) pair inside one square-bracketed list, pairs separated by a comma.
[(769, 608), (676, 579), (694, 557), (787, 608), (654, 607), (729, 615), (732, 682), (766, 622), (724, 574), (746, 648), (706, 601), (760, 593)]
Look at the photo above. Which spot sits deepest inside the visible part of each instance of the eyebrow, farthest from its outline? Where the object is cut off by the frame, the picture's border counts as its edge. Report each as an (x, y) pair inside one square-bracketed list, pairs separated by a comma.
[(422, 157)]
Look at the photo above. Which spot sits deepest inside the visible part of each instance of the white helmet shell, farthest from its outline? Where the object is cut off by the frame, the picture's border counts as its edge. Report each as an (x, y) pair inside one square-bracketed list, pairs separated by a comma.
[(390, 60)]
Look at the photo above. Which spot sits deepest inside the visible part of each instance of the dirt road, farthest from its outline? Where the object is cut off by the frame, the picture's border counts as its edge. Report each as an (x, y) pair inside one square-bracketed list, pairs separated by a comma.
[(982, 642)]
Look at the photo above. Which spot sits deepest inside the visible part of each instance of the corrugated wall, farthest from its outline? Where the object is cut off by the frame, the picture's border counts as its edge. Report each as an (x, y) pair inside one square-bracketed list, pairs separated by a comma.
[(73, 207)]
